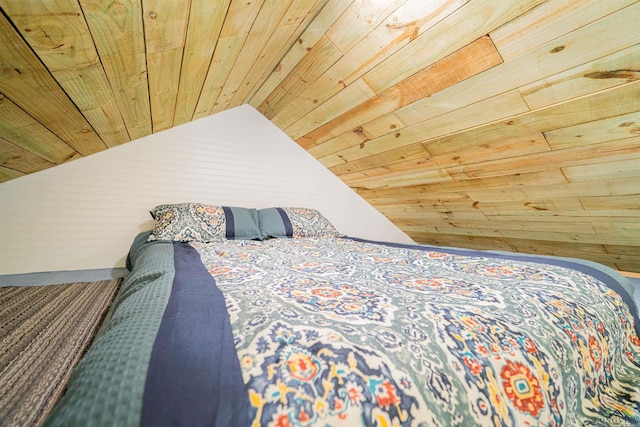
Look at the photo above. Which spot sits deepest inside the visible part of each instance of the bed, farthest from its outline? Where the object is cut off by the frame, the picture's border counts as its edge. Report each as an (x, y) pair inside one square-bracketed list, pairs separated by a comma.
[(235, 316)]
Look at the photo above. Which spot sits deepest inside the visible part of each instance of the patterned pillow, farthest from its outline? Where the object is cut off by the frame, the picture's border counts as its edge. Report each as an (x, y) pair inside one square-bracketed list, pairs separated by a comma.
[(294, 222), (196, 222)]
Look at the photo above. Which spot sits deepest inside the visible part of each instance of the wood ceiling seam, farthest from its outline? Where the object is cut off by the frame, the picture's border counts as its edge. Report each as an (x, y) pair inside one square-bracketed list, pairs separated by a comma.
[(71, 61), (619, 100), (548, 21), (332, 80), (544, 60), (20, 83), (22, 129), (332, 10), (12, 156), (162, 20), (420, 85), (194, 70), (266, 23), (118, 34), (271, 64), (233, 36)]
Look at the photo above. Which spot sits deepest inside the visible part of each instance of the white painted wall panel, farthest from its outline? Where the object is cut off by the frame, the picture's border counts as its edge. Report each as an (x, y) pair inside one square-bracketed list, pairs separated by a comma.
[(84, 214)]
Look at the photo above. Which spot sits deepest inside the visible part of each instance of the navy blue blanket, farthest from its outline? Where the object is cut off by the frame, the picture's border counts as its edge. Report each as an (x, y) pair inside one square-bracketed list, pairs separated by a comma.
[(194, 377)]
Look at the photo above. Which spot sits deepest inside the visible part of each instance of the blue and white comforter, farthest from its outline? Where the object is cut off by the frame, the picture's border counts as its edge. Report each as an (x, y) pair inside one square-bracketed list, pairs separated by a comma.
[(346, 332)]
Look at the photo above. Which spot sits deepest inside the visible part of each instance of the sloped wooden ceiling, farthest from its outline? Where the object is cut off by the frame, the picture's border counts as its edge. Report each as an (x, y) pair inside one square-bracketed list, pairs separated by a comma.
[(504, 124)]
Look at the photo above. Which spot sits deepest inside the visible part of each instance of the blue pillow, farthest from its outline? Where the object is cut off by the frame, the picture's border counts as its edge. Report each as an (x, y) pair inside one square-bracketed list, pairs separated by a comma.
[(197, 222), (294, 222)]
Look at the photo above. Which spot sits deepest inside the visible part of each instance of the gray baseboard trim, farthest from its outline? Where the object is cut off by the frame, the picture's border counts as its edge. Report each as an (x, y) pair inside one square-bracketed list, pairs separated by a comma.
[(59, 277)]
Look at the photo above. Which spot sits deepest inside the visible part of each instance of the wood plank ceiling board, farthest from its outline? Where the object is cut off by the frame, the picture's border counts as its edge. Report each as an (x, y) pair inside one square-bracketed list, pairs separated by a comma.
[(619, 100), (631, 203), (6, 174), (603, 73), (17, 158), (312, 33), (237, 24), (21, 129), (489, 110), (632, 228), (613, 33), (59, 35), (394, 32), (466, 62), (265, 24), (206, 19), (596, 131), (336, 106), (297, 17), (451, 157), (578, 156), (548, 21), (594, 216), (165, 28), (376, 178), (26, 80), (118, 34), (612, 187), (435, 192), (444, 38), (620, 168)]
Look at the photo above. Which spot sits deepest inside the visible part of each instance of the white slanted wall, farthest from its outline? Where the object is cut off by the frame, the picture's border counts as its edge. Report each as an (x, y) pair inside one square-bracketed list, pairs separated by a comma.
[(84, 214)]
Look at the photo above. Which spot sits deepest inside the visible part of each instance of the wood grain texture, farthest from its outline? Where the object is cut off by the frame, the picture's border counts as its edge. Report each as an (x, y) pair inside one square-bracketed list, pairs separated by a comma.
[(261, 31), (206, 20), (285, 36), (58, 33), (235, 29), (468, 61), (548, 21), (27, 82), (165, 26), (312, 33), (118, 34), (444, 38), (398, 30), (20, 128), (17, 158), (509, 124)]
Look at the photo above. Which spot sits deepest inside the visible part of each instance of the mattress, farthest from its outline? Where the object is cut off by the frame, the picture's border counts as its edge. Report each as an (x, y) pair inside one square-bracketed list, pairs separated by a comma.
[(342, 331)]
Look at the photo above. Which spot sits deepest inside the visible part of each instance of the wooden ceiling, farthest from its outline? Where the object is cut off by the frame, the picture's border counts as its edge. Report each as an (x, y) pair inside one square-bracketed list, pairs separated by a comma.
[(505, 124)]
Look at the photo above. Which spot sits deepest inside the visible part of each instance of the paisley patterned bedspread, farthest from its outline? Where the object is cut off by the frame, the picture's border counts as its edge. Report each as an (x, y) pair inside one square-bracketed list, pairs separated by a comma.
[(332, 332), (337, 331)]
